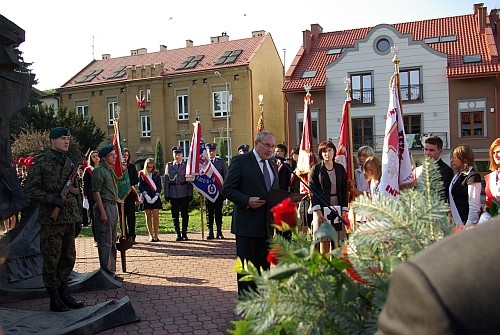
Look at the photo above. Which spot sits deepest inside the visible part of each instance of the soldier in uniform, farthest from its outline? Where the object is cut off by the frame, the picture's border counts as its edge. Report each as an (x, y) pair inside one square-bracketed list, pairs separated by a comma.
[(105, 211), (178, 191), (243, 149), (214, 209), (57, 238)]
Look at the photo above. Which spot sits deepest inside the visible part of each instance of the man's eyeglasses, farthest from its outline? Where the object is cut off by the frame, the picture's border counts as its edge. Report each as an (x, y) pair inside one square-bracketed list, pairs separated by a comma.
[(267, 145)]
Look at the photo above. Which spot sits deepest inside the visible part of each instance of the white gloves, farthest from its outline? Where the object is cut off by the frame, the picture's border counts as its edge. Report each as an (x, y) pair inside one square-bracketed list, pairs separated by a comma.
[(86, 203)]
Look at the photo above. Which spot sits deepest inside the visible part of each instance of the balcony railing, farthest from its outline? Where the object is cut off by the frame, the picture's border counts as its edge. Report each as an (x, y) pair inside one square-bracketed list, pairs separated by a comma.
[(415, 141), (412, 93), (360, 97)]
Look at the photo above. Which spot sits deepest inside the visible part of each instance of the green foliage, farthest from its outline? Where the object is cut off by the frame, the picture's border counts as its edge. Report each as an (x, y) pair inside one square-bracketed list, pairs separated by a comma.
[(222, 148), (343, 292), (33, 143), (227, 209), (159, 161)]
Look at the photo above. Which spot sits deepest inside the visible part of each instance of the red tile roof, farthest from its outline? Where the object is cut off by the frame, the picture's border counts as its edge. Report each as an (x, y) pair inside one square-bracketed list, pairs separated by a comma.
[(464, 27), (171, 60)]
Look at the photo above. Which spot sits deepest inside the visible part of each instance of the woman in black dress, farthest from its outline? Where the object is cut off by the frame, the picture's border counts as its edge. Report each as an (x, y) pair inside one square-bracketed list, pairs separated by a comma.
[(150, 188), (92, 162)]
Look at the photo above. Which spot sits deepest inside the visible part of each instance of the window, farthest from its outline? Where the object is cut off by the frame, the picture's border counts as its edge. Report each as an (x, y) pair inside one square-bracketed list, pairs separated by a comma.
[(362, 132), (299, 117), (148, 95), (145, 125), (361, 88), (82, 109), (87, 78), (118, 73), (141, 94), (112, 104), (222, 145), (411, 89), (228, 57), (471, 118), (220, 100), (182, 106), (412, 124), (383, 45), (335, 51), (467, 59), (184, 144), (190, 62)]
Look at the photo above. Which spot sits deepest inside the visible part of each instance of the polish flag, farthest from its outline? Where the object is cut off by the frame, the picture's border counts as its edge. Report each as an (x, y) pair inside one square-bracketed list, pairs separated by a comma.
[(344, 151), (306, 155), (141, 103)]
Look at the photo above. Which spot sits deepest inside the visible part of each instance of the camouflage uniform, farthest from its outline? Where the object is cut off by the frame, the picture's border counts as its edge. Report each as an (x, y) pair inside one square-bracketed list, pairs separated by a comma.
[(57, 239)]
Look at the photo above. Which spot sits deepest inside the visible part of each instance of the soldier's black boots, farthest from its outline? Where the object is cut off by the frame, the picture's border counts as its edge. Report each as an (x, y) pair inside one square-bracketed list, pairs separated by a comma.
[(56, 304), (210, 234), (68, 299)]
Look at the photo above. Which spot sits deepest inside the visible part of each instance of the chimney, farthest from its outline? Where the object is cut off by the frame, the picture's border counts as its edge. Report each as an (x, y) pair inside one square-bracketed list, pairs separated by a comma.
[(306, 40), (163, 47), (189, 43), (106, 56), (224, 37), (480, 12), (316, 29), (133, 52), (142, 51), (258, 33)]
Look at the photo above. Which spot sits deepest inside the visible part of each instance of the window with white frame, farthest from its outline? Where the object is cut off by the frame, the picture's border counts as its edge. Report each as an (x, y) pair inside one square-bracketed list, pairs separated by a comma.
[(411, 88), (361, 88), (220, 101), (112, 104), (148, 95), (471, 118), (141, 94), (145, 124), (182, 105), (299, 125), (82, 109), (184, 144)]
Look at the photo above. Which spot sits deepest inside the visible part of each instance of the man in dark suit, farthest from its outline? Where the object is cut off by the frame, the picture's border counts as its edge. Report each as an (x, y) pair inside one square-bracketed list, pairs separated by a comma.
[(450, 288), (433, 148), (214, 209), (250, 177), (283, 172)]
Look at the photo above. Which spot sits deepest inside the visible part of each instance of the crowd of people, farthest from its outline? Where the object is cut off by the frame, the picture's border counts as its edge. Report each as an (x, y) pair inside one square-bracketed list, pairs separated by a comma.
[(93, 198)]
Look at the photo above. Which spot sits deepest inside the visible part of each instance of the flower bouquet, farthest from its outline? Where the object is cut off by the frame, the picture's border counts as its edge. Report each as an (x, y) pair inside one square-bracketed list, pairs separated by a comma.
[(342, 292)]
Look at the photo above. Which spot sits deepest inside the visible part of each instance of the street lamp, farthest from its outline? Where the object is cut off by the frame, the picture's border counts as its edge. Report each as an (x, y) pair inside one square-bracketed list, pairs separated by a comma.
[(217, 73)]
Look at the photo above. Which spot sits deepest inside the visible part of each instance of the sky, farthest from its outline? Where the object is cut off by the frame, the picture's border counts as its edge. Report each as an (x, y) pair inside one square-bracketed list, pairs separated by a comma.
[(62, 37)]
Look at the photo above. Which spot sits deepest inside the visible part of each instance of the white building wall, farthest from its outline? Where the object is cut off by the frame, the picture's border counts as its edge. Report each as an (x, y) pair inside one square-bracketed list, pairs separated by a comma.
[(434, 109)]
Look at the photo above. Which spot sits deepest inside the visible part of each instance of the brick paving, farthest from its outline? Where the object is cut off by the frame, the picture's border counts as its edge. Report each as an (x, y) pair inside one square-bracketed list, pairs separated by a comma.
[(174, 287)]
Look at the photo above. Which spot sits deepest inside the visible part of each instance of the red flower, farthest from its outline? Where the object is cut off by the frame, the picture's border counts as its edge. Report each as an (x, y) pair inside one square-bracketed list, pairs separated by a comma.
[(346, 218), (272, 256), (20, 161), (285, 211)]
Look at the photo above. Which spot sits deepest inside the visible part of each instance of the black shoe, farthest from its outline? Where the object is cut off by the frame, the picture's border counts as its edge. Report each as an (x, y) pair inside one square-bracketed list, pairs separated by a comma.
[(68, 299), (210, 237), (56, 304), (178, 238), (220, 236), (185, 238)]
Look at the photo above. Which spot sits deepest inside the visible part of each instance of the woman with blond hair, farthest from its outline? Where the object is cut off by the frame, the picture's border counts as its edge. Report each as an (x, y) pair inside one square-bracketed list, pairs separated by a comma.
[(150, 188), (465, 187), (361, 183), (492, 188), (372, 170)]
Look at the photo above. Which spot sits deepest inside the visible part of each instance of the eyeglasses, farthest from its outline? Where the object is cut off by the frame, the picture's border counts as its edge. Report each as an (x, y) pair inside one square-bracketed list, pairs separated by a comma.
[(267, 145)]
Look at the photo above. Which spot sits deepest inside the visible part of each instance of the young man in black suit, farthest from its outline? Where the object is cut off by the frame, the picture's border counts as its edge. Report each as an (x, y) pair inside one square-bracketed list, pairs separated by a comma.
[(250, 177), (214, 209), (433, 148)]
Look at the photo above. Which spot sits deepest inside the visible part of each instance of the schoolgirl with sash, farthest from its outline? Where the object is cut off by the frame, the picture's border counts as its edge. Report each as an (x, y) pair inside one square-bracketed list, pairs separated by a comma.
[(150, 188)]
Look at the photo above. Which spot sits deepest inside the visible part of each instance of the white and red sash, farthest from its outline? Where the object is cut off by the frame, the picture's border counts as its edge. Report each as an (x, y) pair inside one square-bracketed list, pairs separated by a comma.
[(148, 179)]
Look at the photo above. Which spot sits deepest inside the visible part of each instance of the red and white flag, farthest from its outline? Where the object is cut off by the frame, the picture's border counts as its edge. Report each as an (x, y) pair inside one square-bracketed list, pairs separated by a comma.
[(141, 103), (306, 155), (120, 161), (200, 170), (344, 151), (396, 162)]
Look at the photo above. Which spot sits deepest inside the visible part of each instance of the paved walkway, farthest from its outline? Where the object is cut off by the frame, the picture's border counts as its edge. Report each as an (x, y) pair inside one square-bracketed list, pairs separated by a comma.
[(174, 287)]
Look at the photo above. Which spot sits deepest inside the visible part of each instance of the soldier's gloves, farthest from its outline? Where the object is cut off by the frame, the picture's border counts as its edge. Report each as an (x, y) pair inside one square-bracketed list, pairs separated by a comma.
[(147, 197), (57, 201), (154, 199), (78, 228)]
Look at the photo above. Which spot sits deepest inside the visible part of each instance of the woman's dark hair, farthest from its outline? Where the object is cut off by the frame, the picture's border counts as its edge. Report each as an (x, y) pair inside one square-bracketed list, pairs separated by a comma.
[(323, 146)]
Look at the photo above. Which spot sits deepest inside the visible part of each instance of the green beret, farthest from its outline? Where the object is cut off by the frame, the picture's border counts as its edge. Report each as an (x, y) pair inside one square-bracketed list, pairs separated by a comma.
[(58, 132), (106, 150)]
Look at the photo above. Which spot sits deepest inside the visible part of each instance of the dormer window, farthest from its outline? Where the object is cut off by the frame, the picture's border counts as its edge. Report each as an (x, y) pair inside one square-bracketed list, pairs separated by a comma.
[(309, 74)]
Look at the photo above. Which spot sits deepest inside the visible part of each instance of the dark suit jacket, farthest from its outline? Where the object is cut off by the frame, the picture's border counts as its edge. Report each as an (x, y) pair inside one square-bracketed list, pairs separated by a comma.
[(450, 288), (244, 180), (221, 166), (460, 193), (284, 176), (446, 176)]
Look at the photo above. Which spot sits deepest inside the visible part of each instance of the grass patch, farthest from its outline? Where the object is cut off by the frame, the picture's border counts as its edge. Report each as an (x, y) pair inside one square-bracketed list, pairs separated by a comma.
[(166, 223)]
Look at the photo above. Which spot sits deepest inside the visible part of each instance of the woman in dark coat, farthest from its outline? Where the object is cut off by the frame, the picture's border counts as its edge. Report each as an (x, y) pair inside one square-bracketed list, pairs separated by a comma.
[(330, 179), (132, 198), (92, 162)]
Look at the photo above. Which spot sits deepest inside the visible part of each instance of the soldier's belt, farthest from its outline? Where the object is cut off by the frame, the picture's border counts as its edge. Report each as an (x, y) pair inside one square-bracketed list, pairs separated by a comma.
[(110, 202)]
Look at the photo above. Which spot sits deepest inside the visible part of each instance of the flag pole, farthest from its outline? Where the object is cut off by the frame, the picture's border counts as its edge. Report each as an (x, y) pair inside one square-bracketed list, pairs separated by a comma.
[(396, 61), (347, 82), (201, 218)]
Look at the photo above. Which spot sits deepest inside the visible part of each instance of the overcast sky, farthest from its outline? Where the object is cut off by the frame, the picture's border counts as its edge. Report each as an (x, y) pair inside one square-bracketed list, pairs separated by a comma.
[(62, 37)]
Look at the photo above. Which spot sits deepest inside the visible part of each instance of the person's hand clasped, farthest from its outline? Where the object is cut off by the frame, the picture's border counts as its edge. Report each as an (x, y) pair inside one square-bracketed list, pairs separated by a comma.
[(255, 202)]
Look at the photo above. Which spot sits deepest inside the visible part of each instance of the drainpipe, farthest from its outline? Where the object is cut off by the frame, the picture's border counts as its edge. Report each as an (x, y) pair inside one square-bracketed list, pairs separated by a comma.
[(251, 107), (497, 134)]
